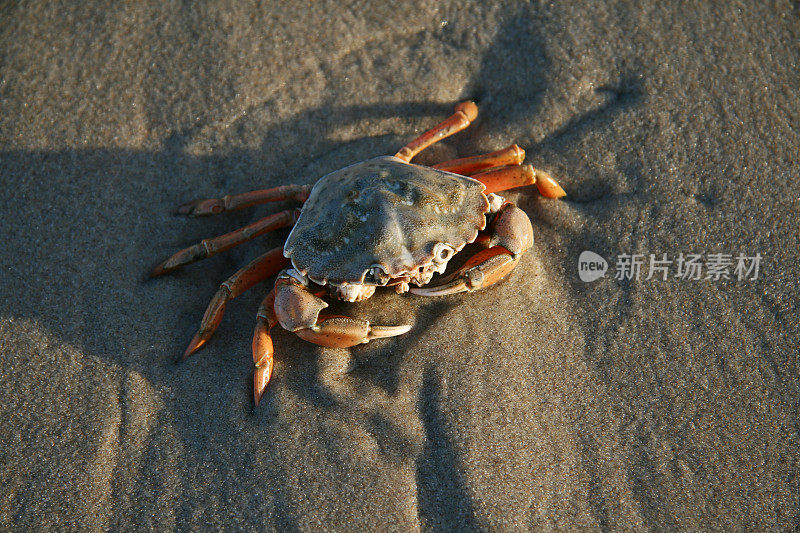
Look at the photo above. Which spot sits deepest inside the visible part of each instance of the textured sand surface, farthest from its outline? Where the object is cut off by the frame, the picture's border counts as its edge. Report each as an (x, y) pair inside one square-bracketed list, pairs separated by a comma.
[(543, 402)]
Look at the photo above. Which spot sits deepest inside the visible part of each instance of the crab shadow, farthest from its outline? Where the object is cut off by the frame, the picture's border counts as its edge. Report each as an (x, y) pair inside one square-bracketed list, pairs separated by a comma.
[(100, 221)]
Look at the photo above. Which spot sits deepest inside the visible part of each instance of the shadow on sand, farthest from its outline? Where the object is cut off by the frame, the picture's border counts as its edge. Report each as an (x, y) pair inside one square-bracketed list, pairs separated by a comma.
[(86, 225)]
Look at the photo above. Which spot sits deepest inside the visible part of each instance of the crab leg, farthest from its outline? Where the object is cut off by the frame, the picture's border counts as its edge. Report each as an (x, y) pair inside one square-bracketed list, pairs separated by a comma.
[(512, 236), (208, 247), (256, 271), (513, 155), (519, 176), (263, 349), (213, 206), (464, 115)]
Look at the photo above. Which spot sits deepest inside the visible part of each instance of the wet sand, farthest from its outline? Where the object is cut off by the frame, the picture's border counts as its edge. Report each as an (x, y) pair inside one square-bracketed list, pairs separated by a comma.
[(541, 403)]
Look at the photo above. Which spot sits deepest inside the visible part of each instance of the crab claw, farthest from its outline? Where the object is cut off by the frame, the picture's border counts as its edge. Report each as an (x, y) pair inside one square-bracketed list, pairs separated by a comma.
[(336, 331), (512, 235), (483, 269)]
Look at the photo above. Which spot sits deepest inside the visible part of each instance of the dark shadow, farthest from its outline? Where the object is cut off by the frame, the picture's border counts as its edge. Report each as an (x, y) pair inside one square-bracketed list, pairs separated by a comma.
[(626, 93), (515, 70), (76, 250), (380, 364), (443, 497), (590, 460), (86, 225), (394, 444)]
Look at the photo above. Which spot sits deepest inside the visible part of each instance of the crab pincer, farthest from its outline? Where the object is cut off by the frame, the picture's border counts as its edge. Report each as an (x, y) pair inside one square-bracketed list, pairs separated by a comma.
[(298, 310), (511, 236)]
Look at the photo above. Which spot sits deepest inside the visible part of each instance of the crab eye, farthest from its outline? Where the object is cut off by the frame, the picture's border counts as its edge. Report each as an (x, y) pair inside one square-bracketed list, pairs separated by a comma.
[(443, 252), (379, 275)]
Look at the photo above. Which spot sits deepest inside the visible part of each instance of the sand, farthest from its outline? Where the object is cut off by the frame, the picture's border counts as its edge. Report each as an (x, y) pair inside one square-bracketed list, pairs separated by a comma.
[(541, 403)]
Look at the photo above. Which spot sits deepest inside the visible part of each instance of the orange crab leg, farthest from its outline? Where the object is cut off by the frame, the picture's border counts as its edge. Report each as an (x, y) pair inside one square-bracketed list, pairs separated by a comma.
[(263, 349), (213, 206), (333, 331), (256, 271), (513, 155), (208, 247), (548, 187), (505, 178), (464, 115)]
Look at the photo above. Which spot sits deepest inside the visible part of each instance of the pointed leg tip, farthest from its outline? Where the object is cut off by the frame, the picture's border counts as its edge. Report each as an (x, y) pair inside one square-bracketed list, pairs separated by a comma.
[(383, 332), (197, 208), (261, 378), (200, 208), (166, 266), (552, 193), (257, 398), (548, 187), (557, 192), (186, 208), (194, 345), (159, 270)]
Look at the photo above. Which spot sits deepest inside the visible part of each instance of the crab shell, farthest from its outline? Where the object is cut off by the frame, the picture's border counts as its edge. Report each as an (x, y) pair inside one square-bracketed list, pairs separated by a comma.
[(384, 221)]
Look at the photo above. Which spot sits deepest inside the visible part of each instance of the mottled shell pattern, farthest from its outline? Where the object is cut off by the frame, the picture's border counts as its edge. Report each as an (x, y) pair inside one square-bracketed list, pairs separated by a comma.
[(384, 219)]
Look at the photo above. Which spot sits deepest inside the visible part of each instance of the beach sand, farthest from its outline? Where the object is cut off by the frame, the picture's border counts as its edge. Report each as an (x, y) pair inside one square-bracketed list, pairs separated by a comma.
[(541, 403)]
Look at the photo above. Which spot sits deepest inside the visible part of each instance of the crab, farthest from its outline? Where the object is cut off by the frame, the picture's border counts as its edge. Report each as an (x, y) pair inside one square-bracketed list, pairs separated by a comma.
[(384, 222)]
